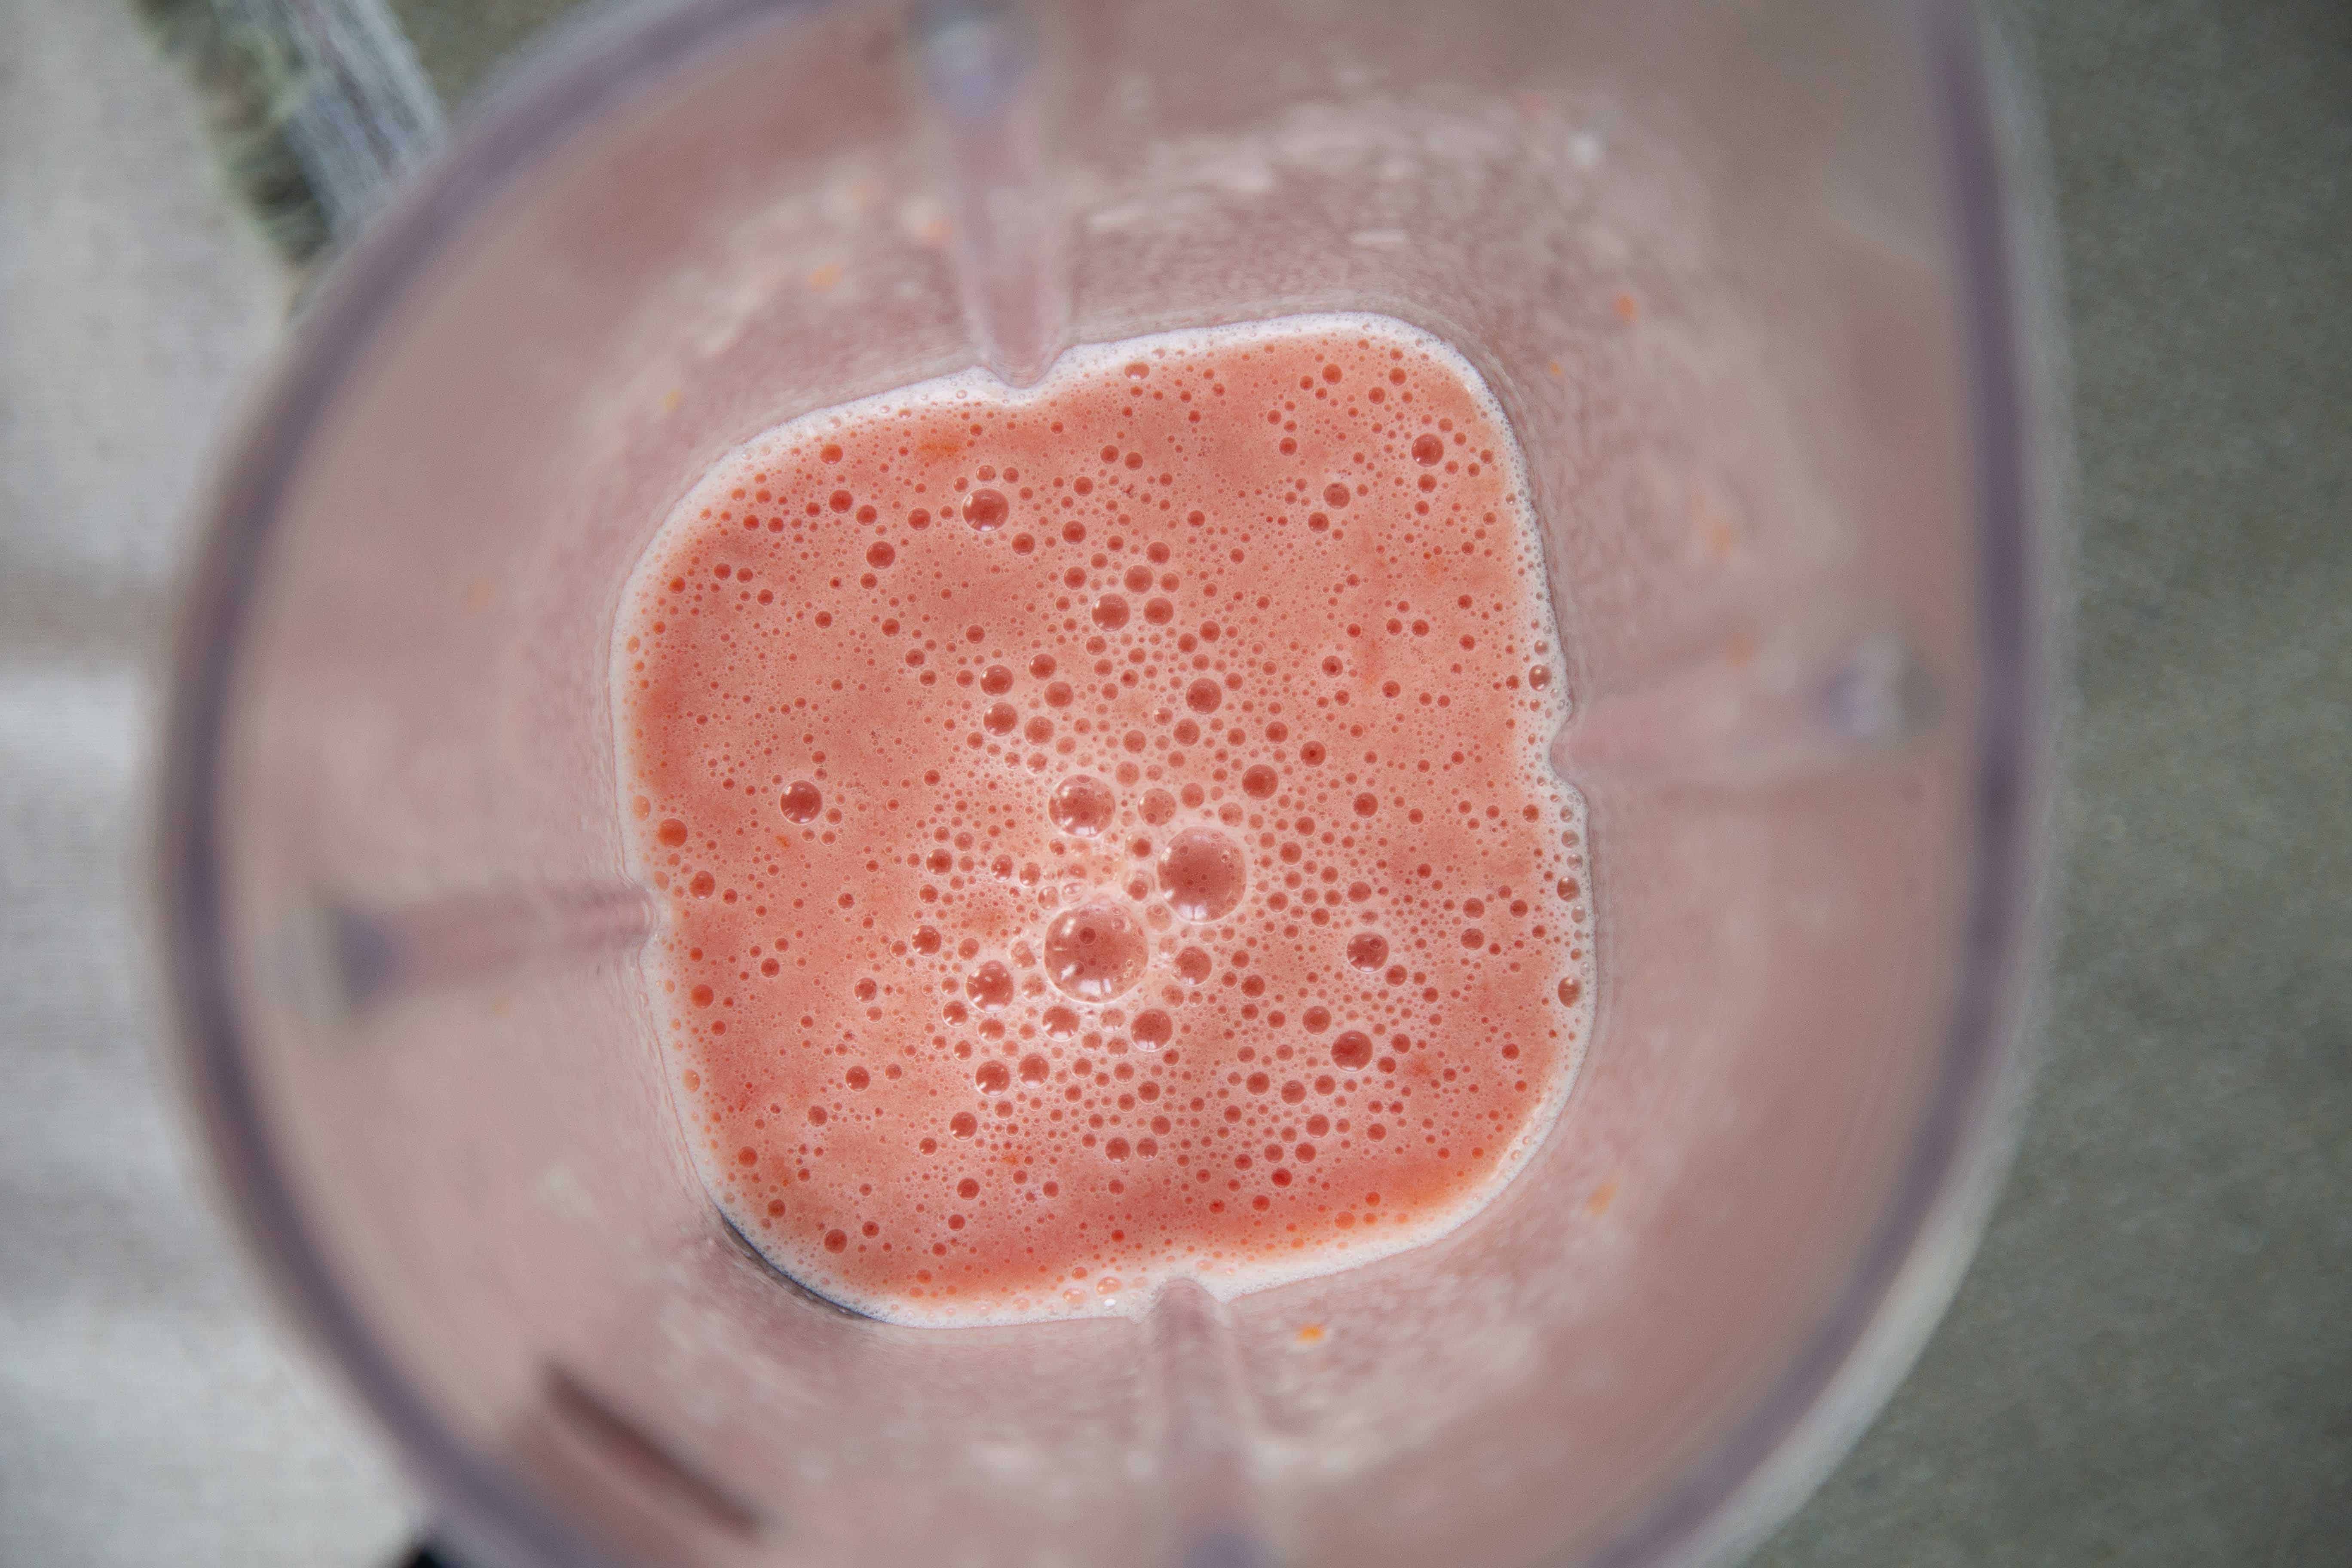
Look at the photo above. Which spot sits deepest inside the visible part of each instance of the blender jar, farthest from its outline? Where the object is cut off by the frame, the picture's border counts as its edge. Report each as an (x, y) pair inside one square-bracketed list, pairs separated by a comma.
[(1745, 280)]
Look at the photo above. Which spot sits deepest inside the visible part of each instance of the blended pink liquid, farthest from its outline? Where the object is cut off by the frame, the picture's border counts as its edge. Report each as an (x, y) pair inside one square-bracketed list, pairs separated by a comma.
[(1105, 829)]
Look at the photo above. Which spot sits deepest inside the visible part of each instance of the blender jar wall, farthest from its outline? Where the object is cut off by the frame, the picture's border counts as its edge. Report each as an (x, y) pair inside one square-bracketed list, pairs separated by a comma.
[(1698, 255)]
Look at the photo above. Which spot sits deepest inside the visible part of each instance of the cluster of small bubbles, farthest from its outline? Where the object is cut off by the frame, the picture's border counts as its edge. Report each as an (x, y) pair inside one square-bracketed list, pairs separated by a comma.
[(1158, 873)]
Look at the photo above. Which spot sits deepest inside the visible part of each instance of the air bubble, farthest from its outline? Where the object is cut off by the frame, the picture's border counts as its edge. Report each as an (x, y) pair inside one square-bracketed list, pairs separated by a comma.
[(986, 510), (1096, 951), (1081, 805), (990, 986), (1203, 873)]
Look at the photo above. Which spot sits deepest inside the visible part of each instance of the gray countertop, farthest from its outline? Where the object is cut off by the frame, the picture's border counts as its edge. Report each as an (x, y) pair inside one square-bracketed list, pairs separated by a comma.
[(2149, 1360)]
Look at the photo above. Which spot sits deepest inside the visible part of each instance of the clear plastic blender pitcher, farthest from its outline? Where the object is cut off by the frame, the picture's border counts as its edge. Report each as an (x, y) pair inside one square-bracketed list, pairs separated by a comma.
[(1744, 278)]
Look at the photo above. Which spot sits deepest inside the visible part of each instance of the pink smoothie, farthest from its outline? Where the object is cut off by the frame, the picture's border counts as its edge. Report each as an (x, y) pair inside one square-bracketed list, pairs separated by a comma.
[(1105, 829)]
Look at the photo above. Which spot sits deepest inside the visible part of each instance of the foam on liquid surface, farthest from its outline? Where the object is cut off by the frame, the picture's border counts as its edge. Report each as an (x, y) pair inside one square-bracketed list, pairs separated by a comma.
[(1105, 829)]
